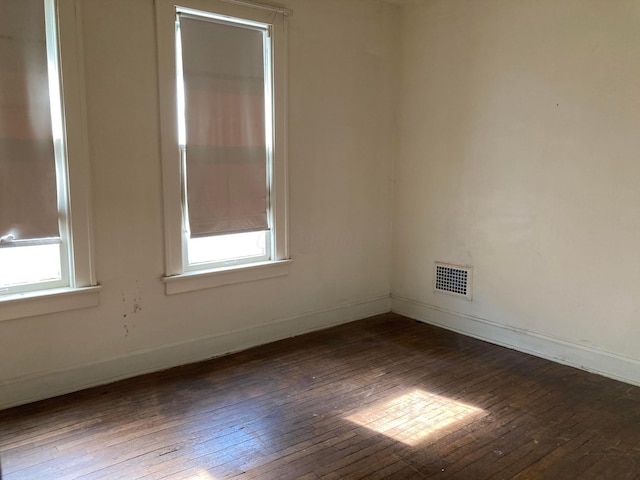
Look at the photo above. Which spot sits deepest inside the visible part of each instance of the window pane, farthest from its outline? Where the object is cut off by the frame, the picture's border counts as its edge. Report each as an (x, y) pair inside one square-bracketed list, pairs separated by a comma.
[(223, 68), (222, 248), (32, 264), (28, 196), (31, 149)]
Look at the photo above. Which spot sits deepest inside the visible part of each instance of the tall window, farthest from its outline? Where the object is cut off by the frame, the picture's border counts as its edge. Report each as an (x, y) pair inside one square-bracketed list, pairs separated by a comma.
[(224, 93), (224, 148), (35, 211), (33, 235)]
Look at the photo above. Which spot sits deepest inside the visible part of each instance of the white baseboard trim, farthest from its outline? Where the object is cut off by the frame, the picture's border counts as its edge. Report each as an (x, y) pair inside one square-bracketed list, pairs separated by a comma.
[(608, 364), (41, 385)]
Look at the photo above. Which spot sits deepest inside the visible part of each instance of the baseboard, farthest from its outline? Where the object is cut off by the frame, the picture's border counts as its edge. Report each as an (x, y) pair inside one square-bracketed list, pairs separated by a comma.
[(608, 364), (26, 389)]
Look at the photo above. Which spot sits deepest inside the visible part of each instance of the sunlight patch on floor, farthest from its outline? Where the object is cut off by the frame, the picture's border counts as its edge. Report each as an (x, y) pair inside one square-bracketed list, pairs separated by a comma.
[(412, 417), (201, 476)]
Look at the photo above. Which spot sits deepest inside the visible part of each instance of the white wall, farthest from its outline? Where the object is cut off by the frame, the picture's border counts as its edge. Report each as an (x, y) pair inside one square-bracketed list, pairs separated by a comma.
[(518, 155), (342, 104)]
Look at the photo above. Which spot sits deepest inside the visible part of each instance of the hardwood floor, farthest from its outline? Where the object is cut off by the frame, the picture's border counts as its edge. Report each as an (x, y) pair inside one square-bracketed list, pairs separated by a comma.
[(382, 398)]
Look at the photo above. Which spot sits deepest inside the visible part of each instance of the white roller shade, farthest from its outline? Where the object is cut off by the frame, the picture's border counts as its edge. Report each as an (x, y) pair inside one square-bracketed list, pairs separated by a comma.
[(28, 195), (226, 155)]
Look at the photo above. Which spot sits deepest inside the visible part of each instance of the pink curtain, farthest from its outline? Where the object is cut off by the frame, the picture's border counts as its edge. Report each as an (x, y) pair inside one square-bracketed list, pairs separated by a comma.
[(28, 196), (226, 157)]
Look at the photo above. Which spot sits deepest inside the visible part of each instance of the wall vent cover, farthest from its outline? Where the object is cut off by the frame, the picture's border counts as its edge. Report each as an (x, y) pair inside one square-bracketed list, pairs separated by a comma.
[(453, 280)]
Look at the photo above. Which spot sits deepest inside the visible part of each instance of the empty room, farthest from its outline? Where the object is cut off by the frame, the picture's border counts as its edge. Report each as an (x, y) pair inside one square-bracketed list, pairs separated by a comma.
[(319, 239)]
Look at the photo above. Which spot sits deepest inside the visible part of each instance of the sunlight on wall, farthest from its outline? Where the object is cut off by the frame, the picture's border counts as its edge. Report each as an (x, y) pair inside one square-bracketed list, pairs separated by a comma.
[(412, 417)]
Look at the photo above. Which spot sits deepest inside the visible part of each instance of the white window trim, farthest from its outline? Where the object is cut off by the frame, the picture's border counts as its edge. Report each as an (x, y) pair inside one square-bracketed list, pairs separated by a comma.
[(176, 273), (201, 279), (82, 291), (55, 300)]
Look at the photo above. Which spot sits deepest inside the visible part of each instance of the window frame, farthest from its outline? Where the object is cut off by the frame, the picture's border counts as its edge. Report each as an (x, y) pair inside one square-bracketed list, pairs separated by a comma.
[(54, 73), (82, 290), (179, 276)]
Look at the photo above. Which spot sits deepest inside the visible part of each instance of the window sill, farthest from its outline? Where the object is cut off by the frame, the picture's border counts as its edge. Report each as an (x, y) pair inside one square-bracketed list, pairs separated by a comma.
[(190, 281), (29, 304)]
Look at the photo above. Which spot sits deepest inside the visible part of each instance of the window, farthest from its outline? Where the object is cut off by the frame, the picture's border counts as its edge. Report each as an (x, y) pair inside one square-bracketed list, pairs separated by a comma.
[(33, 236), (44, 212), (222, 87)]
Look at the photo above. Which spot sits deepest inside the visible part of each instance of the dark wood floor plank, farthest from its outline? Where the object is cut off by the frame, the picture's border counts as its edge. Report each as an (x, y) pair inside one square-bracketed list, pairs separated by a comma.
[(528, 446), (284, 411), (316, 422), (447, 450)]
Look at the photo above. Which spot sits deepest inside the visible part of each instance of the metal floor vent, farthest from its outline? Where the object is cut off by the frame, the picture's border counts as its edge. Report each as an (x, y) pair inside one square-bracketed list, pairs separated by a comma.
[(453, 280)]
